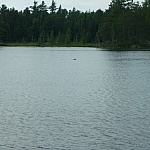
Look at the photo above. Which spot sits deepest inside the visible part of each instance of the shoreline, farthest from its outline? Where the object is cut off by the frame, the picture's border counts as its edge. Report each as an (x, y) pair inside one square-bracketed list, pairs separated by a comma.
[(49, 45), (94, 45)]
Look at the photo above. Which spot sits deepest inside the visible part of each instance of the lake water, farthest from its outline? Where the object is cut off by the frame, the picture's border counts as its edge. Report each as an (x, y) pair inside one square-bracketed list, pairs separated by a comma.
[(100, 101)]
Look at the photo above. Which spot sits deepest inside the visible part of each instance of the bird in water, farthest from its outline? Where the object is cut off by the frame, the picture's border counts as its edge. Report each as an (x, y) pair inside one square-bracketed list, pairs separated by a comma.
[(74, 59)]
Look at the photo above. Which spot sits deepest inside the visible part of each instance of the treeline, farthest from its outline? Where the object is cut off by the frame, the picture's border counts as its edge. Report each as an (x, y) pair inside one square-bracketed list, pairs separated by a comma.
[(124, 24)]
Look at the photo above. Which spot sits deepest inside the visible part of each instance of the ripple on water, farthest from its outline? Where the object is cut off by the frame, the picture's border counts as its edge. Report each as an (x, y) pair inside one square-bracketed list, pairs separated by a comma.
[(99, 101)]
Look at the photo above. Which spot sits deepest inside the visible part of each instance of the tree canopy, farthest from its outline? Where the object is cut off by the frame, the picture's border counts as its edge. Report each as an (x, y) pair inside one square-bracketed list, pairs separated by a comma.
[(124, 24)]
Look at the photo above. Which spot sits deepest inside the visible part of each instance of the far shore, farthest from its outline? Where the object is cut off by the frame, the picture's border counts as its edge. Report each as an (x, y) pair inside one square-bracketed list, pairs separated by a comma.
[(94, 45), (50, 45)]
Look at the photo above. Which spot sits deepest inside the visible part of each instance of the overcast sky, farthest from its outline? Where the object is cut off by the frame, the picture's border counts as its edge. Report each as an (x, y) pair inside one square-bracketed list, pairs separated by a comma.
[(83, 5)]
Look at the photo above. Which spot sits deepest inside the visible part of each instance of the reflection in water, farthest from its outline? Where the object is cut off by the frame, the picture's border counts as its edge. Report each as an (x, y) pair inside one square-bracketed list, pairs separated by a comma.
[(50, 101)]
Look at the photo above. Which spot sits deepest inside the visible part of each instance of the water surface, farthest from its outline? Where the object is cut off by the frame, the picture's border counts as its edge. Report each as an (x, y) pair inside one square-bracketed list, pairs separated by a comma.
[(101, 100)]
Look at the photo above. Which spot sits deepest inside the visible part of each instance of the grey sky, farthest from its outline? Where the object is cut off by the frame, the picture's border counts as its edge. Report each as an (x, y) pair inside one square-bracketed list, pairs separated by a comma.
[(83, 5)]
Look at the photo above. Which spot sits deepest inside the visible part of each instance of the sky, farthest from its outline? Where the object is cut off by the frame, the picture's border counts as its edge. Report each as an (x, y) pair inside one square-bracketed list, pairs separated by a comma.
[(82, 5)]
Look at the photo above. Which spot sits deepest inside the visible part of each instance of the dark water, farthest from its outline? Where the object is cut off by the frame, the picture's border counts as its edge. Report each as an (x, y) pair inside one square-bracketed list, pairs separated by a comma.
[(99, 101)]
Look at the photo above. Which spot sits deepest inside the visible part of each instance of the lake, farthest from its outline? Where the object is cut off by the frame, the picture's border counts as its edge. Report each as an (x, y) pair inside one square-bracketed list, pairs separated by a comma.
[(48, 100)]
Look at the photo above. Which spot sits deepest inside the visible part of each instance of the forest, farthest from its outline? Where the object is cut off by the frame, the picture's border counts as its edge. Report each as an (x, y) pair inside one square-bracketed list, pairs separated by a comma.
[(125, 24)]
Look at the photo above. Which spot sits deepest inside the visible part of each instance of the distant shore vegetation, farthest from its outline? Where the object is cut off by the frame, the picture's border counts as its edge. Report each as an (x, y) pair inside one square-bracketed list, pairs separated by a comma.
[(125, 24)]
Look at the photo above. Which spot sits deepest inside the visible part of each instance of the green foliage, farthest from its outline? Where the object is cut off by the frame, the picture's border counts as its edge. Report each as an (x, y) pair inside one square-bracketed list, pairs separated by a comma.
[(41, 38), (52, 38), (53, 7), (68, 36), (124, 24)]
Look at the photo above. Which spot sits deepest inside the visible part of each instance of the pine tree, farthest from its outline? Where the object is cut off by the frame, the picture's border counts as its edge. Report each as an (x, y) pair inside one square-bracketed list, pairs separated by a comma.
[(68, 36), (53, 7)]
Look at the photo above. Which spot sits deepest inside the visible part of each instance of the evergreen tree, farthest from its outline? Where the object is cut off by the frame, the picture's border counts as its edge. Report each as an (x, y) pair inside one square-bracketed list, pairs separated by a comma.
[(53, 7), (124, 24), (52, 38), (34, 8), (68, 36), (43, 7), (41, 38)]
